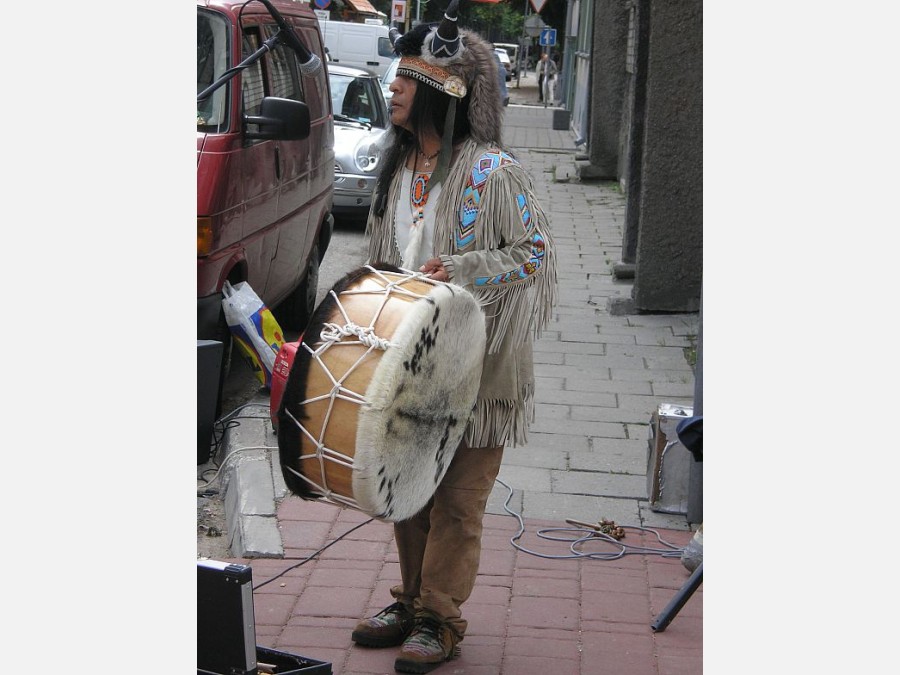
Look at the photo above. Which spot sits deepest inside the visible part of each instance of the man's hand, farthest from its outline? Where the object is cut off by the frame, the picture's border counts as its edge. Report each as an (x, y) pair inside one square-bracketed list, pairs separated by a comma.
[(434, 269)]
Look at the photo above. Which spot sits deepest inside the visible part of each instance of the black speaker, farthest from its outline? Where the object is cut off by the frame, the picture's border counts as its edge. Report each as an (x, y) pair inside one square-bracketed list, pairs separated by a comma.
[(226, 627), (209, 369)]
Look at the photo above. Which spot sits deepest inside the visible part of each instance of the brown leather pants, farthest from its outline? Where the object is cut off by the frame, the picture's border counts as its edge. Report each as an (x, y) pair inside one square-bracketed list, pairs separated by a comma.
[(440, 547)]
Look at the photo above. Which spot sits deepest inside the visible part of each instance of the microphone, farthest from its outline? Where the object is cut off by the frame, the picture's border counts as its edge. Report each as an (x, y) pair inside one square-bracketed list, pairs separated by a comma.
[(309, 62), (393, 34)]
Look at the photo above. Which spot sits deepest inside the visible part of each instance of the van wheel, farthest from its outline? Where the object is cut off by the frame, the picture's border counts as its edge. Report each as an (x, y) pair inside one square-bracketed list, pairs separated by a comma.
[(297, 309), (325, 233)]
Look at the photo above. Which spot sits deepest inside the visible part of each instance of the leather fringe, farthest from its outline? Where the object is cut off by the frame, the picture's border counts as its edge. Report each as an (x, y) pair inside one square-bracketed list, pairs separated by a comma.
[(501, 422)]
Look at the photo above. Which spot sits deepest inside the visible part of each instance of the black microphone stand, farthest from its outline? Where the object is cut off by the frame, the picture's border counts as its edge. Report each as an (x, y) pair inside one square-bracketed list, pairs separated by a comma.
[(286, 36), (268, 45), (678, 600)]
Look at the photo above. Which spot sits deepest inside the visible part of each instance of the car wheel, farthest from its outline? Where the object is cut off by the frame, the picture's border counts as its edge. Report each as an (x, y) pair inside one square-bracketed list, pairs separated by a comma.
[(297, 309)]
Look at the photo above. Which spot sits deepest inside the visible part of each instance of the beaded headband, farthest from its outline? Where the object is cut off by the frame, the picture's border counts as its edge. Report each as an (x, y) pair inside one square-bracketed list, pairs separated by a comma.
[(432, 75)]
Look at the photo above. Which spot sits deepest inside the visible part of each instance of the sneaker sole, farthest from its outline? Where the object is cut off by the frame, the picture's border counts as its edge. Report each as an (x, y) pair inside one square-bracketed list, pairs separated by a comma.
[(402, 666), (367, 641)]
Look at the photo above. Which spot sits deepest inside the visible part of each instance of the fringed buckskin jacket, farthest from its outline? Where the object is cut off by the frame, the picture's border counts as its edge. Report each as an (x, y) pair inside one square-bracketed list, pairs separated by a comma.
[(494, 240)]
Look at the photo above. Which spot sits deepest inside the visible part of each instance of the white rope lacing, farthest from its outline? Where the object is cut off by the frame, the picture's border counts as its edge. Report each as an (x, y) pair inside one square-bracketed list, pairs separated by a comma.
[(331, 332)]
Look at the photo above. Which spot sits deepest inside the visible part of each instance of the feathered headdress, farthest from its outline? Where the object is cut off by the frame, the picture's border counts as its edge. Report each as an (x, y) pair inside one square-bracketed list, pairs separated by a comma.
[(458, 63)]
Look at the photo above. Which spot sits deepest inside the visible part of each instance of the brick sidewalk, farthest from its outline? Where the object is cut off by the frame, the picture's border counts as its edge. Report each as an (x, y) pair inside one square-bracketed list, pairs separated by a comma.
[(528, 615)]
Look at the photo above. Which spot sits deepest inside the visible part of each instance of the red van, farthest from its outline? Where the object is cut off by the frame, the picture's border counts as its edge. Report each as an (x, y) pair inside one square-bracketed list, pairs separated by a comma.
[(265, 160)]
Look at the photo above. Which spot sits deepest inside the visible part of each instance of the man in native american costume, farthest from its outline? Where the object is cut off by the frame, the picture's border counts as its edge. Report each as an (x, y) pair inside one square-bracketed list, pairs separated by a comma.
[(454, 204)]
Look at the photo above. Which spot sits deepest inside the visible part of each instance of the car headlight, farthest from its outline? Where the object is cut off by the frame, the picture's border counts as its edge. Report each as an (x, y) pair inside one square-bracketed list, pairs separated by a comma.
[(367, 156)]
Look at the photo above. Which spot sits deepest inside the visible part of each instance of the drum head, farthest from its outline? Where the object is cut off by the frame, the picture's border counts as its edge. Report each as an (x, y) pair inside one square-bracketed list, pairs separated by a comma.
[(419, 402)]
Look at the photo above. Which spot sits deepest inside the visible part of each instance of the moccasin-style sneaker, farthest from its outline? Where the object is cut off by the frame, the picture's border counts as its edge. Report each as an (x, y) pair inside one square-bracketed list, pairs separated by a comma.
[(428, 646), (388, 628)]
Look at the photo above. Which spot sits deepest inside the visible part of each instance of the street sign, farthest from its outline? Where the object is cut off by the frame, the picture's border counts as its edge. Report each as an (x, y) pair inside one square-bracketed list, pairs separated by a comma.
[(548, 37), (322, 4), (533, 25), (398, 11), (537, 4)]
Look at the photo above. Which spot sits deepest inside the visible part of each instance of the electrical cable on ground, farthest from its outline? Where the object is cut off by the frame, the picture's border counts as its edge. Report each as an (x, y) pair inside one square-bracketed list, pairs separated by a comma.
[(231, 456), (670, 550), (233, 413), (219, 430), (228, 421), (585, 535), (312, 555)]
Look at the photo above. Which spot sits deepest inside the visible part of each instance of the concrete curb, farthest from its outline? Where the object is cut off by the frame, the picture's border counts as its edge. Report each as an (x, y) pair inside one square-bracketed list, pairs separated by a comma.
[(251, 488)]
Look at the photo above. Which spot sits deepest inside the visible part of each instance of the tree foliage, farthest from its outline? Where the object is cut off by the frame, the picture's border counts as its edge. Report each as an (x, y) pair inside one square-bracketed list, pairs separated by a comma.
[(498, 22)]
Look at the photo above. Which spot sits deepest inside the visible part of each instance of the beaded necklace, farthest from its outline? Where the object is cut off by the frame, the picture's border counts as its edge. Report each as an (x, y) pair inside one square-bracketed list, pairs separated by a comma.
[(418, 192), (418, 198)]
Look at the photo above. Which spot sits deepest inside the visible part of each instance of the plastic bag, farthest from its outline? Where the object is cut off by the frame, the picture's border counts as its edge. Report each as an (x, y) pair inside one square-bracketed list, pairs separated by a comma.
[(254, 329)]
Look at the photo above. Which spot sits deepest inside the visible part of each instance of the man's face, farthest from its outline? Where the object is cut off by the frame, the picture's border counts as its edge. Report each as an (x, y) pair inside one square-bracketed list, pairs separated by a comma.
[(403, 89)]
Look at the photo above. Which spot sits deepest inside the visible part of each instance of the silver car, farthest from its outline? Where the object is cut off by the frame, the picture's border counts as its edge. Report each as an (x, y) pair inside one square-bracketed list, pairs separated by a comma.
[(505, 61), (387, 78), (360, 123)]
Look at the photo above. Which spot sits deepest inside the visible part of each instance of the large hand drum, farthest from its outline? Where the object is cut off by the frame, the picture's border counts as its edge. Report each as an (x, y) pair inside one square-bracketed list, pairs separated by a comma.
[(381, 389)]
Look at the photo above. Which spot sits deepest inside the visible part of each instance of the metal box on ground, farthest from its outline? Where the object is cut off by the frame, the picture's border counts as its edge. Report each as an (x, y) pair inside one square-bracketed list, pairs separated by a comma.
[(226, 627), (560, 120), (668, 461), (209, 368)]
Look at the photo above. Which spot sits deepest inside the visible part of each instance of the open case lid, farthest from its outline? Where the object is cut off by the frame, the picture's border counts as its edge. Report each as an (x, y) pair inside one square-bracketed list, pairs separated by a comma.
[(226, 626)]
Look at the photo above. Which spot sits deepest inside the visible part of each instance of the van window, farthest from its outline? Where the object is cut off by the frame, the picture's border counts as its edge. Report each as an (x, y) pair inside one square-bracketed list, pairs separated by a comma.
[(252, 83), (385, 48), (212, 60), (279, 63), (285, 76)]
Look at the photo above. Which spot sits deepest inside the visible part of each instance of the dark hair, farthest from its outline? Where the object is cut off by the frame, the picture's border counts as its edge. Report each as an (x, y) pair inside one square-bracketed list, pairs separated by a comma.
[(429, 110)]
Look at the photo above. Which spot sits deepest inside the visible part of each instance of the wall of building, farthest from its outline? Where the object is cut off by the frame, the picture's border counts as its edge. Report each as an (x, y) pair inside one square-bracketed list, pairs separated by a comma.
[(608, 84), (631, 135), (669, 255), (578, 88)]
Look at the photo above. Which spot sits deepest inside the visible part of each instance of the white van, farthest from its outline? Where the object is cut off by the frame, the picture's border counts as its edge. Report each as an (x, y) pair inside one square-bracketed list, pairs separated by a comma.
[(512, 51), (359, 45)]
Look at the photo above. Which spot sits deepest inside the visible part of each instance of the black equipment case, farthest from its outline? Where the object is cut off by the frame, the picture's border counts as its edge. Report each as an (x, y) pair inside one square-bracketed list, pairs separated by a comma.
[(226, 627)]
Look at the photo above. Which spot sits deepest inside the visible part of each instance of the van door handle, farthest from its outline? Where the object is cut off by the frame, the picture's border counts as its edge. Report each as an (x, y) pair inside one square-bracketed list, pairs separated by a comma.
[(372, 63), (277, 163)]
